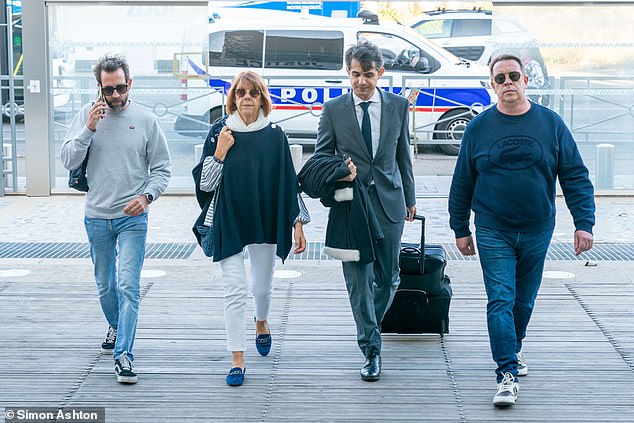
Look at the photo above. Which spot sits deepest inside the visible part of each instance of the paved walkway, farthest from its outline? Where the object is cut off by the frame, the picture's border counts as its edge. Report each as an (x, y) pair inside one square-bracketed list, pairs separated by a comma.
[(579, 344)]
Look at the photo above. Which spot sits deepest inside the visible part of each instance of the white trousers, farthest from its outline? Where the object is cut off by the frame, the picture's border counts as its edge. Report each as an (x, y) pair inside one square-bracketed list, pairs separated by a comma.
[(262, 258)]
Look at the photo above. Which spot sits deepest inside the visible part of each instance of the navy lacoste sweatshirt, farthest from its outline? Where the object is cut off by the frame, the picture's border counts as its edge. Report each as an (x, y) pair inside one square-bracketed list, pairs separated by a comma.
[(507, 170)]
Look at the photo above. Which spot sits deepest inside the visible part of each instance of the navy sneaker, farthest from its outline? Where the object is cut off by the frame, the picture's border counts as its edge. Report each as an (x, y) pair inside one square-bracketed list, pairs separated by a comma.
[(107, 346), (123, 369)]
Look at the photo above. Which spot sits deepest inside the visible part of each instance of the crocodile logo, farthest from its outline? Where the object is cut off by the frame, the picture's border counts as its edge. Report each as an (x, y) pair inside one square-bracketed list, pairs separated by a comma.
[(516, 152)]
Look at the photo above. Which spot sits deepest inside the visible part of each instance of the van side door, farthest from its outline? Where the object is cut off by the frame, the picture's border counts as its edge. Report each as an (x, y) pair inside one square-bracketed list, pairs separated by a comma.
[(304, 69)]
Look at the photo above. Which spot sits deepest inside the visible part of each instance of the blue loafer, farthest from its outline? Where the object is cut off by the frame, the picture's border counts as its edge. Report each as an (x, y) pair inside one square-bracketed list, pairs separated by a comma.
[(236, 376), (263, 344)]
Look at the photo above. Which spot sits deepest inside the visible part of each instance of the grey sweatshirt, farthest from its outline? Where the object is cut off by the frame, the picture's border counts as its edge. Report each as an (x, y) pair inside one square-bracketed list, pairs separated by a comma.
[(128, 157)]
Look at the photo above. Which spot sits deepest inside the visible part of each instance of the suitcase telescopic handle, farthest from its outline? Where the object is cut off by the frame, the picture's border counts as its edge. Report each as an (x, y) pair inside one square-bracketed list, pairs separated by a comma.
[(422, 241)]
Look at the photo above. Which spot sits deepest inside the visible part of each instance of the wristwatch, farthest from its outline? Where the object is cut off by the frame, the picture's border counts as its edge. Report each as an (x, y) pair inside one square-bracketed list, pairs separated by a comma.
[(149, 197)]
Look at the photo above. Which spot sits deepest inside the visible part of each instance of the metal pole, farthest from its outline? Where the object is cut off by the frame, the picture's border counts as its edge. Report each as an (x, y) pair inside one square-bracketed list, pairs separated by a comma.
[(296, 156), (198, 152), (414, 100), (1, 166), (12, 108), (2, 176), (605, 166), (2, 173)]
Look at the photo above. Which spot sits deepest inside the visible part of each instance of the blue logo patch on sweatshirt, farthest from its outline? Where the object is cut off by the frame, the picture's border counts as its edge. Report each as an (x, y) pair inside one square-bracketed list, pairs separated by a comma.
[(516, 152)]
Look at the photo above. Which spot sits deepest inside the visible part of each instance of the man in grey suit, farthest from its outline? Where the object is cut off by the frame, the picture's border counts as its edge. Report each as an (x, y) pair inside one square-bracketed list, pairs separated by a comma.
[(370, 127)]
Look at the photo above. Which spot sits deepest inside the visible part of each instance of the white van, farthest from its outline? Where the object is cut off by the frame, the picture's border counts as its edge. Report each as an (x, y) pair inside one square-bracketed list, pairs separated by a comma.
[(302, 59)]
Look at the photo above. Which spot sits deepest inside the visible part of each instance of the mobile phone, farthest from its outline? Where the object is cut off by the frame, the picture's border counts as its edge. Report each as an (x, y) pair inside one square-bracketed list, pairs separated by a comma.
[(101, 97)]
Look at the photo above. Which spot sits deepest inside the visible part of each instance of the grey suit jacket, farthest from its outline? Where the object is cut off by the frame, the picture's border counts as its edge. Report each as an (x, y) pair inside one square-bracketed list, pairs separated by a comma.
[(391, 167)]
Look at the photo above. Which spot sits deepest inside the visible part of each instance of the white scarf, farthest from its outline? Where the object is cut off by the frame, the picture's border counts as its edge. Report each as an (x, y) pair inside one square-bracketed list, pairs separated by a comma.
[(235, 122)]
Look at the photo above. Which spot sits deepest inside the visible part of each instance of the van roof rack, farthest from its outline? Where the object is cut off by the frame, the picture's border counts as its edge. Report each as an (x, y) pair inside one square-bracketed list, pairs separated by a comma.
[(440, 11), (368, 17)]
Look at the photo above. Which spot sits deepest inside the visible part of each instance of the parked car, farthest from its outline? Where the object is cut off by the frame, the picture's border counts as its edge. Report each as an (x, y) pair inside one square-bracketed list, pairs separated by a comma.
[(303, 60), (478, 35)]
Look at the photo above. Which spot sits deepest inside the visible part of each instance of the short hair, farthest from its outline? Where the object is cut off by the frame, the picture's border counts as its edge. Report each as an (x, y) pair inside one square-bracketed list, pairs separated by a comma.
[(258, 83), (366, 53), (110, 63), (505, 56)]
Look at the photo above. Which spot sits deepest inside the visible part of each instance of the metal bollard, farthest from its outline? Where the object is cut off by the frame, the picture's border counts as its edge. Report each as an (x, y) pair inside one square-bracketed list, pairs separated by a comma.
[(6, 158), (605, 166), (2, 174), (198, 151), (296, 155)]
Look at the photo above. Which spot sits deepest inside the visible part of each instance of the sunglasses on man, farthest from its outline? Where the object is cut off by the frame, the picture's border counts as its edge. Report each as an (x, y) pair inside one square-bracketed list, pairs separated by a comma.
[(109, 90), (241, 92), (500, 78)]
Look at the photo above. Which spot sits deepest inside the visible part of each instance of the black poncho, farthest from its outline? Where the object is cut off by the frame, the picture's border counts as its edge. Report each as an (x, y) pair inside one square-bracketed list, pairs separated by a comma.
[(257, 197)]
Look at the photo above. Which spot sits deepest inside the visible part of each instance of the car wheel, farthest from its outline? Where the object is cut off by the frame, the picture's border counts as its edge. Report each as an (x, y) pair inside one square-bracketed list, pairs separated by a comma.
[(18, 111), (451, 127), (215, 114)]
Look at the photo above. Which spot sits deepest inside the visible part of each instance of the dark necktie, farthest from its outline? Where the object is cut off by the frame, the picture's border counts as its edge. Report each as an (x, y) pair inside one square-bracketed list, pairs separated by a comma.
[(366, 129)]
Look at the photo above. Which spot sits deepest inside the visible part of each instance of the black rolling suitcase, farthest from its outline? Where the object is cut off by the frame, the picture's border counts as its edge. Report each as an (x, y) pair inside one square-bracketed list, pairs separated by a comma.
[(421, 303)]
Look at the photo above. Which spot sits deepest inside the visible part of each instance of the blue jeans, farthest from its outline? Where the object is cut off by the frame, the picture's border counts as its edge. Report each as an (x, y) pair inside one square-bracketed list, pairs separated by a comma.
[(119, 285), (512, 266)]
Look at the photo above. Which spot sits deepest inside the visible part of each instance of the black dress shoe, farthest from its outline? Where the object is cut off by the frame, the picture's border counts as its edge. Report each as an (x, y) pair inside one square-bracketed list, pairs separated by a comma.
[(371, 370)]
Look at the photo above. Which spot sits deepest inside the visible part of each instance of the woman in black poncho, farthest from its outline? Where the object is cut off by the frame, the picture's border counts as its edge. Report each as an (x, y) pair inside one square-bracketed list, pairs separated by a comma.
[(247, 187)]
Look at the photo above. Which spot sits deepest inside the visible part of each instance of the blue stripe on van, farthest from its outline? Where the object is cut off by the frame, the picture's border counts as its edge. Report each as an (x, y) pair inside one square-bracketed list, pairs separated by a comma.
[(452, 97), (427, 97)]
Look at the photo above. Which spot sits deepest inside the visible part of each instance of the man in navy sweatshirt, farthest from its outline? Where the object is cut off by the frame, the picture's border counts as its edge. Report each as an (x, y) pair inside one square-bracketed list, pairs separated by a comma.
[(510, 158)]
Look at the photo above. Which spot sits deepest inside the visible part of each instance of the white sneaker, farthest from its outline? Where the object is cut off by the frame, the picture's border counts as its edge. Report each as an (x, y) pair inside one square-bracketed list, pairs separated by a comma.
[(507, 391), (522, 367)]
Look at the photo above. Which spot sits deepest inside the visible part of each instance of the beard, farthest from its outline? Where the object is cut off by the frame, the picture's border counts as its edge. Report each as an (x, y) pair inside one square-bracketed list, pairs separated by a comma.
[(119, 104)]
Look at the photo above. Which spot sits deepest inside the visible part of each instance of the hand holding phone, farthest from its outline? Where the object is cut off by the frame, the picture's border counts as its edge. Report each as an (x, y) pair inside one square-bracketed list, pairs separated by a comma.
[(101, 97), (97, 111)]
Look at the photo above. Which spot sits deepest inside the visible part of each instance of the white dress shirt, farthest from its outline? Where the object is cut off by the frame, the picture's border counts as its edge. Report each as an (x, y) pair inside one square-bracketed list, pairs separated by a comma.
[(375, 116)]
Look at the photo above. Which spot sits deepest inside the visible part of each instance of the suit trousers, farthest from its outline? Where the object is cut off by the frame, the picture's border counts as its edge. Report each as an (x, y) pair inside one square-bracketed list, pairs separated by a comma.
[(371, 287)]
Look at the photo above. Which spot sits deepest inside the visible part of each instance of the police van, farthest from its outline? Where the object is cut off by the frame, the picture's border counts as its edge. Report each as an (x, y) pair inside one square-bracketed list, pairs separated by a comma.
[(302, 59)]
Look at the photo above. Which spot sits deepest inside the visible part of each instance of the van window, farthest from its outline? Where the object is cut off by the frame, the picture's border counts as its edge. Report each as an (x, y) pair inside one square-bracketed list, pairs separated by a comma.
[(400, 54), (437, 28), (236, 48), (471, 27), (321, 50)]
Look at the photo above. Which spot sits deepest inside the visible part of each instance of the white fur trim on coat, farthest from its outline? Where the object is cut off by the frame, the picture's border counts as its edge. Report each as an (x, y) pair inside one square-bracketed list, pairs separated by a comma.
[(341, 254), (344, 194)]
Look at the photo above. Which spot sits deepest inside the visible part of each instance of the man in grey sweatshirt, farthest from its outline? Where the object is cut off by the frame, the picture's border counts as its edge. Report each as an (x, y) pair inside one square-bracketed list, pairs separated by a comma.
[(128, 168)]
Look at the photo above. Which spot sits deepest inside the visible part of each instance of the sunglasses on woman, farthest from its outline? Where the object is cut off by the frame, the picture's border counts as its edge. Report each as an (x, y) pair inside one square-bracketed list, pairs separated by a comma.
[(109, 90), (500, 78), (241, 92)]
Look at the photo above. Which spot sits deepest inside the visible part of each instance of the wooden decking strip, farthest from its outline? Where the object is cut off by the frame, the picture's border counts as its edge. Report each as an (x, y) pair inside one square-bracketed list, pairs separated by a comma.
[(579, 349)]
